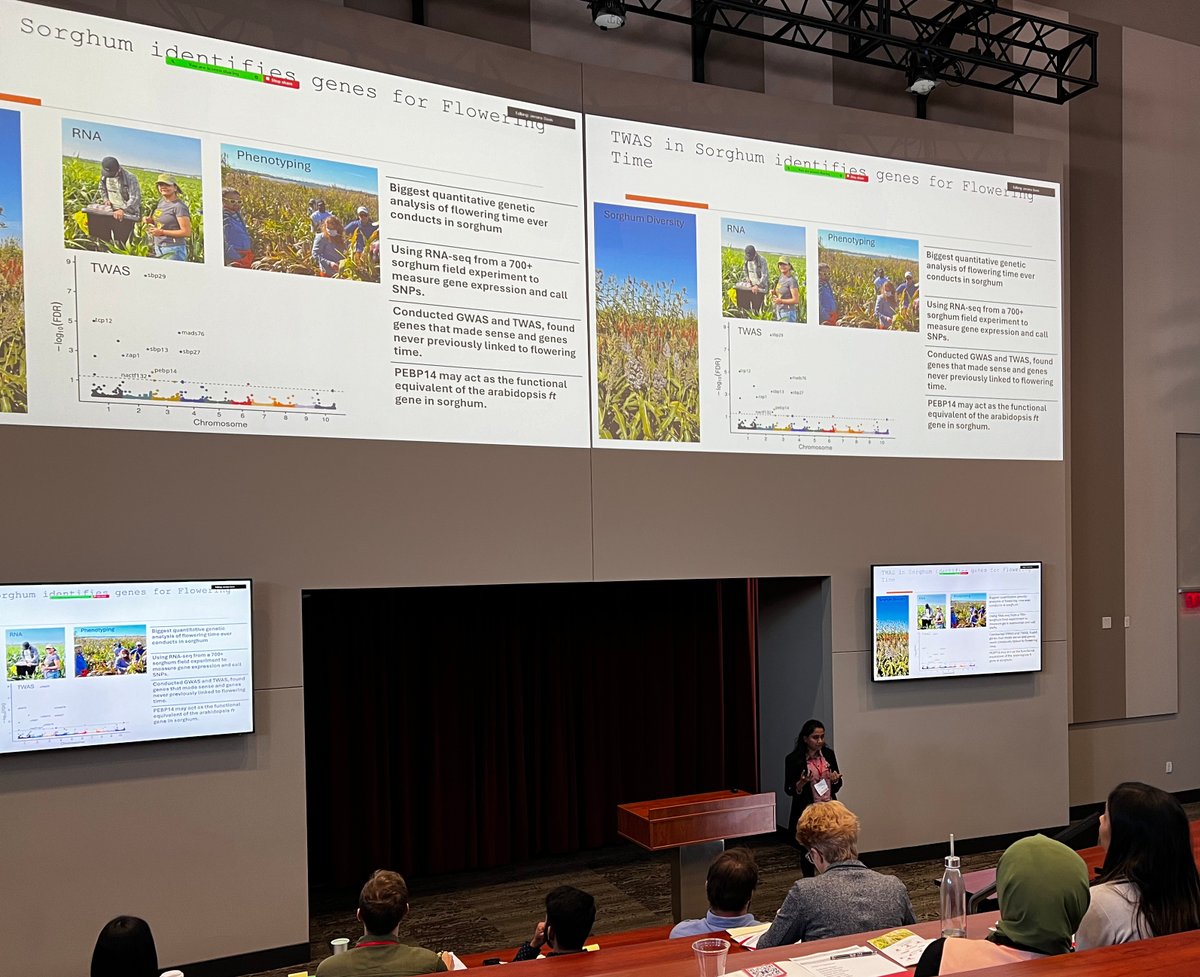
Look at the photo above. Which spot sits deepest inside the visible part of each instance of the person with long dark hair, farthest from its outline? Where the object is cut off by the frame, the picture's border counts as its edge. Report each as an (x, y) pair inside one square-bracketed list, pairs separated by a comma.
[(810, 776), (1148, 885), (125, 948)]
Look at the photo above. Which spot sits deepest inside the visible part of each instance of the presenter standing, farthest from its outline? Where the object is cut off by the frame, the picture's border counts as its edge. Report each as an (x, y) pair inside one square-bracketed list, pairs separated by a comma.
[(810, 776)]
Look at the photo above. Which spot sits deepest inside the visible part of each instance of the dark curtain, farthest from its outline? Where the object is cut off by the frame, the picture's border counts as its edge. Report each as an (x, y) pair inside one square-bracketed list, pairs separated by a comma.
[(467, 727)]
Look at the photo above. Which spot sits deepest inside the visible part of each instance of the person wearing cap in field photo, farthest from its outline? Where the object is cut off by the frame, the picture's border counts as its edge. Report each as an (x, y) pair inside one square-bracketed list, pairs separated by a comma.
[(361, 229), (170, 225), (120, 192), (786, 293), (239, 249)]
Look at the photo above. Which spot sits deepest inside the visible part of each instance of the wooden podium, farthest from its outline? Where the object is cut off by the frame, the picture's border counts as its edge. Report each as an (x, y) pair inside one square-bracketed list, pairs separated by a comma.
[(694, 828)]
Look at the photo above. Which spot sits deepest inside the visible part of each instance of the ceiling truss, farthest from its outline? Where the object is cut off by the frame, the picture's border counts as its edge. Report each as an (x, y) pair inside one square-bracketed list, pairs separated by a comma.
[(968, 42)]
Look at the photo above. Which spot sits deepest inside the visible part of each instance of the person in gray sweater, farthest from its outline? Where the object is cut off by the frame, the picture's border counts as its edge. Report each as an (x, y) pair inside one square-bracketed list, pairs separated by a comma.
[(845, 896)]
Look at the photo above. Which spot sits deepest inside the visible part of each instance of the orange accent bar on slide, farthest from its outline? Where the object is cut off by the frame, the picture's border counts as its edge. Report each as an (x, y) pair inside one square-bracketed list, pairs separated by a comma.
[(665, 200), (20, 98)]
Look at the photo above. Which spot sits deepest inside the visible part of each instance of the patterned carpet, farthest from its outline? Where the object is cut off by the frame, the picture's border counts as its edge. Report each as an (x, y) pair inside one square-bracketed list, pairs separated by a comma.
[(471, 912)]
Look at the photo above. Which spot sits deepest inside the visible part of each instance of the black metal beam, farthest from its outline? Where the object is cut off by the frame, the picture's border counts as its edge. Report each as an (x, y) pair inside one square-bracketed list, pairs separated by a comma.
[(971, 42), (418, 12), (703, 12)]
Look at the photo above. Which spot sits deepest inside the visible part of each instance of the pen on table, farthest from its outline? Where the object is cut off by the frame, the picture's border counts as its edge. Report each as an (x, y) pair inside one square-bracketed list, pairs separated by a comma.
[(847, 956)]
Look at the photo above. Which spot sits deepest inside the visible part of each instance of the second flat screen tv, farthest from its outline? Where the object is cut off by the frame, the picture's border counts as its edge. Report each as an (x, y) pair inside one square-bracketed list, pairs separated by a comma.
[(937, 620)]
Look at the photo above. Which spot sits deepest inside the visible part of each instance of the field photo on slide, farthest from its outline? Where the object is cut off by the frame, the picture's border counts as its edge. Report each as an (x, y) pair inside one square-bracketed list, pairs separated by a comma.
[(132, 192), (868, 281), (299, 215), (104, 650), (755, 250), (14, 397), (647, 352), (891, 636)]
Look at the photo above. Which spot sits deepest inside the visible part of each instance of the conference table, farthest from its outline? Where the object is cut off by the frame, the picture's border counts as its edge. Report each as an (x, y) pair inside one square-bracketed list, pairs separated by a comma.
[(674, 958), (1166, 955), (648, 951)]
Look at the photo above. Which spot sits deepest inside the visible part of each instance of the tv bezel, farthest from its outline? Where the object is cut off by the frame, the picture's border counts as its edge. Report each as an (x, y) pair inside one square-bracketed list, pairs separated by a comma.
[(43, 751), (875, 680)]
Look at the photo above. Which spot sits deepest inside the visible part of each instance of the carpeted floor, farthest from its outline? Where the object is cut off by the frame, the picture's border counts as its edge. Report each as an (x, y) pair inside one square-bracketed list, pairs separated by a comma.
[(471, 912)]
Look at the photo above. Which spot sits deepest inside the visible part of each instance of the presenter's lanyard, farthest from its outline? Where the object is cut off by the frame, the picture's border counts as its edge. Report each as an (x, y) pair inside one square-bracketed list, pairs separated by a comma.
[(819, 769), (376, 943)]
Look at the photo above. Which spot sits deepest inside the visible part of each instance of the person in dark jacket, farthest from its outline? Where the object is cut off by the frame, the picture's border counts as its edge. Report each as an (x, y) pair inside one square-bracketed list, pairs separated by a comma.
[(810, 775)]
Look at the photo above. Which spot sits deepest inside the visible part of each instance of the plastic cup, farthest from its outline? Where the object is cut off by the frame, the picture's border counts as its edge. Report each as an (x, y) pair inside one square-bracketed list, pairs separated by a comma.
[(340, 945), (710, 957)]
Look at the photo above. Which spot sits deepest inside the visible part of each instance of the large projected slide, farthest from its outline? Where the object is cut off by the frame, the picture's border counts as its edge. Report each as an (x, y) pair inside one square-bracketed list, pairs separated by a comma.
[(88, 664), (207, 236), (938, 620), (761, 296)]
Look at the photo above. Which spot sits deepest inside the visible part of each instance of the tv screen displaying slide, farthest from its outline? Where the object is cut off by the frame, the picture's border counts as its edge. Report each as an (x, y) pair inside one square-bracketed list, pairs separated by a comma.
[(210, 236), (96, 663), (949, 619), (767, 297)]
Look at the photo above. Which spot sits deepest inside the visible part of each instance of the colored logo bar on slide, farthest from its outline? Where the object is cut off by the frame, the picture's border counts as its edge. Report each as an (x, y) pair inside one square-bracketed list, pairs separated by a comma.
[(216, 69), (836, 174), (79, 596)]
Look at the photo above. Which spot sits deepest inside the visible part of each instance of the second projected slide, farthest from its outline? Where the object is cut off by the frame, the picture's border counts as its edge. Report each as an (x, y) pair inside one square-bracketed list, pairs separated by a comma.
[(758, 296), (206, 236)]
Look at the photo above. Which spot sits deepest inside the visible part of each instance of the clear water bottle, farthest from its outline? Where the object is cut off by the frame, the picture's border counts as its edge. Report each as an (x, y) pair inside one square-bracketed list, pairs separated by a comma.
[(954, 899)]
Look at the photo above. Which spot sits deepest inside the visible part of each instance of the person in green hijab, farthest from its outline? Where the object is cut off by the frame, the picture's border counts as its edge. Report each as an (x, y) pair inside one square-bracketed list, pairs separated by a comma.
[(1042, 887)]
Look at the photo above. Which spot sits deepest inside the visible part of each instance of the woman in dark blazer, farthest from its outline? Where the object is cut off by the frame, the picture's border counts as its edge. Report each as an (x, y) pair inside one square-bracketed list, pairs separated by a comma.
[(810, 774)]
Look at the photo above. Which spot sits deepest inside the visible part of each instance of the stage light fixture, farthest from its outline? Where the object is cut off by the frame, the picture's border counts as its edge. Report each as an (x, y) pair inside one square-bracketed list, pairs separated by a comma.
[(608, 15), (920, 74)]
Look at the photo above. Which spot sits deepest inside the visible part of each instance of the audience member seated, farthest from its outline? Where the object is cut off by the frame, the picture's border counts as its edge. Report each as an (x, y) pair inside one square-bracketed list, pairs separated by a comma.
[(732, 879), (1148, 885), (125, 948), (570, 913), (1042, 888), (845, 896), (382, 904)]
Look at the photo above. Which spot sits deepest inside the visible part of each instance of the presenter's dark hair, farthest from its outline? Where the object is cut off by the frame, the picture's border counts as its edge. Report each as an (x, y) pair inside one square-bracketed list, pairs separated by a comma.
[(125, 948), (732, 879), (1150, 846), (571, 913), (383, 902), (807, 730)]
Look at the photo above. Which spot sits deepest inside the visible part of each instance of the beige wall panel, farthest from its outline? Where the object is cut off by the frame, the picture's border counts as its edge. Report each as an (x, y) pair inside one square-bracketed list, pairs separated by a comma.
[(167, 831), (503, 21), (1188, 495), (1162, 397), (1179, 19), (1162, 345), (925, 758), (1096, 415), (804, 76), (659, 515)]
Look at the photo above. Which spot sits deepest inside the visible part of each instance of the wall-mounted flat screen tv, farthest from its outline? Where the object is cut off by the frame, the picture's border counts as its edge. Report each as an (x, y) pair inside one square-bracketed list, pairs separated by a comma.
[(96, 663), (938, 620)]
